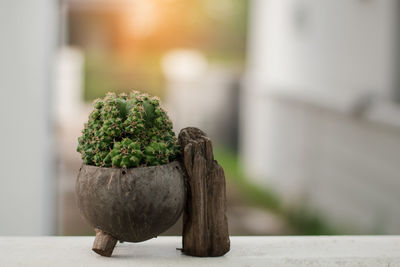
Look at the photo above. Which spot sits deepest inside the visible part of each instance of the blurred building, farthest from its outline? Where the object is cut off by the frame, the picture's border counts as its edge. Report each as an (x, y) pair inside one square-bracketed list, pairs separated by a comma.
[(201, 95), (320, 122), (28, 183)]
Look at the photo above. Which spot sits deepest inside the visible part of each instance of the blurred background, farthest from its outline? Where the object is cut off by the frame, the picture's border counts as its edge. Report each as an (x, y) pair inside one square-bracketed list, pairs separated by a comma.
[(300, 97)]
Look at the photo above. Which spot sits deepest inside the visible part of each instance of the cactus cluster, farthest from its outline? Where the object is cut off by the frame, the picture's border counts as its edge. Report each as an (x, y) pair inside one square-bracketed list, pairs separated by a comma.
[(128, 131)]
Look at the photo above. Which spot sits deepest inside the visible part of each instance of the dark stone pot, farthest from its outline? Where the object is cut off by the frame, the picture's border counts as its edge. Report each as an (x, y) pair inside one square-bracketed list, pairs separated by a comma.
[(131, 204)]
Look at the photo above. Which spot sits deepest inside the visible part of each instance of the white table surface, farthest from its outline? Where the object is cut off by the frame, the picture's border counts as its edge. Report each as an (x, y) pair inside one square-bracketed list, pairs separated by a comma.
[(245, 251)]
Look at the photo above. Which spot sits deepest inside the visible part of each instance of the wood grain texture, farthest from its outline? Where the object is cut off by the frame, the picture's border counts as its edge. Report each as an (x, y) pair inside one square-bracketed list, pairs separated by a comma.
[(104, 243), (133, 204), (205, 226)]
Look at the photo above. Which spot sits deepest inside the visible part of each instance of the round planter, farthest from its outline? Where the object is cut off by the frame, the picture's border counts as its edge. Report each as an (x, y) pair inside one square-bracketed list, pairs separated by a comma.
[(133, 204)]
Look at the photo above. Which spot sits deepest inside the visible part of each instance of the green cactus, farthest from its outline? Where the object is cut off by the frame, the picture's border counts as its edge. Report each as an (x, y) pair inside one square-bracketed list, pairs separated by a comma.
[(128, 131)]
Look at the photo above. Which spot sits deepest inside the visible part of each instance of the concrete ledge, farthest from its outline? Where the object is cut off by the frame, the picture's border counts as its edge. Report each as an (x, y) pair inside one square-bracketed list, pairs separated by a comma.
[(245, 251)]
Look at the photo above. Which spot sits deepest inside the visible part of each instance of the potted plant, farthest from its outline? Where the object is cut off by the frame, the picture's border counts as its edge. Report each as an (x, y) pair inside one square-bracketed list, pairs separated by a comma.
[(130, 186)]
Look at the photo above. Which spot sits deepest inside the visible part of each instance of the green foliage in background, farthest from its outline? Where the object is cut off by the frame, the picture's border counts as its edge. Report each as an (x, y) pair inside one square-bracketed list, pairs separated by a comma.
[(300, 218), (116, 57), (128, 131), (106, 69)]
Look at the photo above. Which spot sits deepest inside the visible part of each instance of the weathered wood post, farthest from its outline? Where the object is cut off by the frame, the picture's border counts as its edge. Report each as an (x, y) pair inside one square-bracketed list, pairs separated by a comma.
[(205, 226)]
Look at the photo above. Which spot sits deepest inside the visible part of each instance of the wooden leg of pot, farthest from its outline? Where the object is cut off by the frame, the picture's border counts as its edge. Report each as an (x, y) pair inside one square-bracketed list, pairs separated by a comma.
[(205, 226), (104, 243)]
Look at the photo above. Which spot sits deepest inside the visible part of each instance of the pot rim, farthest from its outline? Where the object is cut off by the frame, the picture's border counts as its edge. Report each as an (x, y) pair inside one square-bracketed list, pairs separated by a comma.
[(134, 168)]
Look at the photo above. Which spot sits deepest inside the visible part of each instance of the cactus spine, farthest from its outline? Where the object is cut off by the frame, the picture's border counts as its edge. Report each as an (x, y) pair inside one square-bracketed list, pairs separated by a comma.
[(128, 131)]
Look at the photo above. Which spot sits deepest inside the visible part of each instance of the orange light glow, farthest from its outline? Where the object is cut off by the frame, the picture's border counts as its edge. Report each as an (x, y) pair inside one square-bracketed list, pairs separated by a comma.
[(141, 18)]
